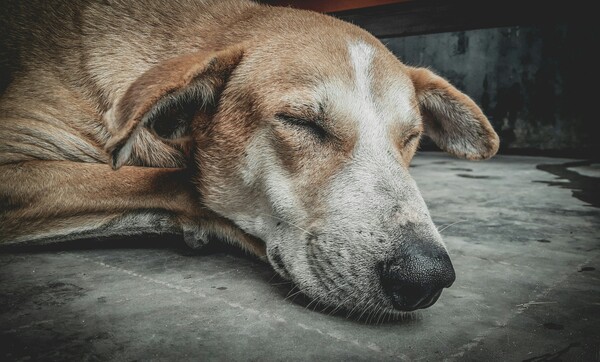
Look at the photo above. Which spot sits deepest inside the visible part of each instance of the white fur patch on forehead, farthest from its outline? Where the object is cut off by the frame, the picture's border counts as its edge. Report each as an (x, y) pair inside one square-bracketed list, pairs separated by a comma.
[(372, 129), (376, 113), (361, 56), (397, 88)]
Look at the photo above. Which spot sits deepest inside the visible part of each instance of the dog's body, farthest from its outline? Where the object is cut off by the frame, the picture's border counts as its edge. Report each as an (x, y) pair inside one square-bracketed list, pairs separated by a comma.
[(262, 126)]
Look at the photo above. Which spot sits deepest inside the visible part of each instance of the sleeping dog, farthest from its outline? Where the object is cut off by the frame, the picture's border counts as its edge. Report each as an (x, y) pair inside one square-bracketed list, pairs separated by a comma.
[(286, 132)]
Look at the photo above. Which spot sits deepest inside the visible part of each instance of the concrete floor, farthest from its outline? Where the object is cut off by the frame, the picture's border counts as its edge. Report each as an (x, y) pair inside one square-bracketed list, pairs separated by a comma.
[(523, 238)]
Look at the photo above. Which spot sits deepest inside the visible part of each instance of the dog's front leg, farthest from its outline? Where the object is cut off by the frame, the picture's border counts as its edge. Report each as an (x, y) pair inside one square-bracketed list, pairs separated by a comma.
[(46, 201), (43, 201)]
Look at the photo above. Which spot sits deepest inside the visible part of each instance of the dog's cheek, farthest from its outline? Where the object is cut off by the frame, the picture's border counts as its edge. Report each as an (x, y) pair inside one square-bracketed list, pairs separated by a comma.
[(309, 164), (291, 148), (217, 177)]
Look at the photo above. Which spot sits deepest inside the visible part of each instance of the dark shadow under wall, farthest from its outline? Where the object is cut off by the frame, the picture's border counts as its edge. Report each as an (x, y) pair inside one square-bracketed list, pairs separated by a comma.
[(533, 82)]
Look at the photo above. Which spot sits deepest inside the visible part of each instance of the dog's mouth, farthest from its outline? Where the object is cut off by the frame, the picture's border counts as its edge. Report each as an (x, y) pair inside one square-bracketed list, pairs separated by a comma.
[(274, 256), (331, 293), (387, 290)]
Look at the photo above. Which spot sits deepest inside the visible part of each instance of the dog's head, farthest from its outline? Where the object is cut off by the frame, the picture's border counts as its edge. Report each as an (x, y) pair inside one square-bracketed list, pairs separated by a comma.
[(303, 135)]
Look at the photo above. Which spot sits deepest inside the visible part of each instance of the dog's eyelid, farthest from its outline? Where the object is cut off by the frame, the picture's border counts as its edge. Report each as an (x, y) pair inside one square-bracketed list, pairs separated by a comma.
[(313, 124), (412, 136), (304, 111), (294, 118), (300, 120)]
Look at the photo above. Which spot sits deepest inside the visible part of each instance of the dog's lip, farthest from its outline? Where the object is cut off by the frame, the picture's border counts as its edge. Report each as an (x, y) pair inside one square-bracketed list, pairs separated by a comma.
[(277, 263), (432, 299), (421, 305)]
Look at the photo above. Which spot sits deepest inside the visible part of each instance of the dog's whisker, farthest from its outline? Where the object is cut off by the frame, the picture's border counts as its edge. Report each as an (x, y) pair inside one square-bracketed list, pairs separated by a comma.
[(274, 275), (282, 283), (373, 313), (365, 308), (291, 292), (336, 290), (361, 300), (376, 315), (314, 300), (340, 305), (382, 314), (288, 222), (449, 225), (292, 295)]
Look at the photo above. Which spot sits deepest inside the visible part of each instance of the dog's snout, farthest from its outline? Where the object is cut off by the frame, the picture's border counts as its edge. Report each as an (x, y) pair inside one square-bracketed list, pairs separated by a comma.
[(416, 277)]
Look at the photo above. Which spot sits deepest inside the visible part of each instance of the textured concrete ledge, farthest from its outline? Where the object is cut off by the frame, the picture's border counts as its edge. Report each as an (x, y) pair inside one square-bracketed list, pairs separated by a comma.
[(524, 242)]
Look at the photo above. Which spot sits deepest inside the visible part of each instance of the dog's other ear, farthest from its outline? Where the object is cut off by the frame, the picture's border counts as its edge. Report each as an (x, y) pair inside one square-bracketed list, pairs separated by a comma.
[(166, 98), (451, 119)]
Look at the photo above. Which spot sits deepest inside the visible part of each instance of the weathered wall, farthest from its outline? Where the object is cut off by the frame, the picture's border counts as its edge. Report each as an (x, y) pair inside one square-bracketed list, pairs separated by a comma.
[(534, 83)]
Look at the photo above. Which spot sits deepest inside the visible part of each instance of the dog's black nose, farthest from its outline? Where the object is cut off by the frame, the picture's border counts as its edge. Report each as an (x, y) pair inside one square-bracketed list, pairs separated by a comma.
[(415, 278)]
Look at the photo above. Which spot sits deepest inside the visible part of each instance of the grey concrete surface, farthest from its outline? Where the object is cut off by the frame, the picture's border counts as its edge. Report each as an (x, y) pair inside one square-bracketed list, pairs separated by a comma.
[(522, 233)]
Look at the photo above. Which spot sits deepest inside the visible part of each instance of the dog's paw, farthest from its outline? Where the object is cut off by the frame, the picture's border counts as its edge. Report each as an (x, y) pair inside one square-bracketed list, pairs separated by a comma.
[(194, 237)]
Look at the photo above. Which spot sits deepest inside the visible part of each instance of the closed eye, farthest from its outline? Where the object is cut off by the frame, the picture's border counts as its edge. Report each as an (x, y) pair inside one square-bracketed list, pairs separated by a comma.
[(305, 124), (411, 139)]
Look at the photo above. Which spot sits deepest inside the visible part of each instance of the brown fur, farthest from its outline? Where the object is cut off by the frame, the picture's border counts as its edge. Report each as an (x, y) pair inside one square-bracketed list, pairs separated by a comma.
[(195, 76), (451, 117), (88, 77)]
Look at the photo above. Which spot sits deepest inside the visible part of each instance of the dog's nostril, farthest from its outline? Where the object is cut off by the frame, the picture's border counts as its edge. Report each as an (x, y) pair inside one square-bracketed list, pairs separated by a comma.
[(417, 277)]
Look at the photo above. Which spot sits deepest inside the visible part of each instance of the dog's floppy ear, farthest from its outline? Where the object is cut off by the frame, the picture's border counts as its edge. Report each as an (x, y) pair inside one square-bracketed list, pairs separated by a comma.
[(451, 119), (166, 98)]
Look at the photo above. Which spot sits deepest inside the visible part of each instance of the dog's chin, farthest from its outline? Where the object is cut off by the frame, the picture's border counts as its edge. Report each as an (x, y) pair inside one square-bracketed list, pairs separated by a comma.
[(352, 305), (336, 297)]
